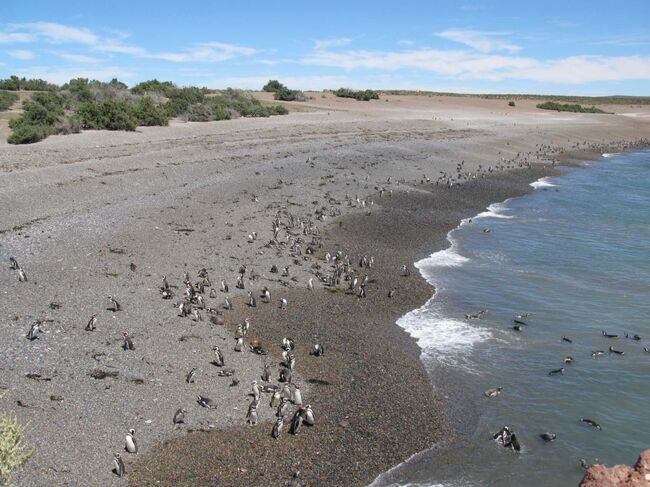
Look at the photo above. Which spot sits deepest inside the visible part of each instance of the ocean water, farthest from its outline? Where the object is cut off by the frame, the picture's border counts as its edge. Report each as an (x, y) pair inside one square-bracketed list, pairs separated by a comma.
[(575, 254)]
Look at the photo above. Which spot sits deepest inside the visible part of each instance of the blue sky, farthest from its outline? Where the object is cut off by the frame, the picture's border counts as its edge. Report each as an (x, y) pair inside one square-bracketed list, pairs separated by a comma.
[(568, 47)]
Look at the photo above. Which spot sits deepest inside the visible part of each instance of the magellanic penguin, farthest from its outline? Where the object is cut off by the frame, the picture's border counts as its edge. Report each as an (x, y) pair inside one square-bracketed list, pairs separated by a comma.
[(33, 332), (131, 445), (255, 389), (13, 264), (239, 345), (296, 396), (283, 303), (22, 277), (277, 428), (92, 323), (251, 300), (493, 392), (128, 343), (308, 415), (179, 416), (227, 303), (285, 375), (275, 399), (296, 421), (282, 408), (115, 306), (318, 350), (591, 422), (310, 284), (266, 373), (548, 437), (206, 402), (218, 357), (251, 415), (118, 465), (189, 378)]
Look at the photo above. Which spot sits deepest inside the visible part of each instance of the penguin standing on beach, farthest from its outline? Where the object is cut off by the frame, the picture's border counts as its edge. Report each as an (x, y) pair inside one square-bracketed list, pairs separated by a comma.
[(33, 332), (118, 465), (251, 415), (296, 396), (179, 416), (255, 389), (114, 305), (277, 428), (218, 357), (22, 277), (92, 323), (239, 346), (13, 264), (308, 414), (266, 374), (131, 445), (296, 421), (128, 343)]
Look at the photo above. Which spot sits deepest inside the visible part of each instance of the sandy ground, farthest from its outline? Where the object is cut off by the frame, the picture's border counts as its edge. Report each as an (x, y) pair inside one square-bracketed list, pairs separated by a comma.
[(79, 210)]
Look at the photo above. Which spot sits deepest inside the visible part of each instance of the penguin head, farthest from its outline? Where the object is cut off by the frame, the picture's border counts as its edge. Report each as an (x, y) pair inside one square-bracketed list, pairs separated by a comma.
[(132, 432)]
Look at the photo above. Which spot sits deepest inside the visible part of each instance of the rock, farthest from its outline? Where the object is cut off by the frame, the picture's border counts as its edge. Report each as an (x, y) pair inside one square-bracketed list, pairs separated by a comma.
[(619, 475)]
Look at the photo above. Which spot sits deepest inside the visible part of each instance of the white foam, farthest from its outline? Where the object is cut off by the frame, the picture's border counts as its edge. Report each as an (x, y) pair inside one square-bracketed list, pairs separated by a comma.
[(495, 210), (608, 155), (448, 257), (543, 183)]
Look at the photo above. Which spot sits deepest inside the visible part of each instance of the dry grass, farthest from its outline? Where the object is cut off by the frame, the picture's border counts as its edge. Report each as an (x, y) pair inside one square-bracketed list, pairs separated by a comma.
[(13, 453)]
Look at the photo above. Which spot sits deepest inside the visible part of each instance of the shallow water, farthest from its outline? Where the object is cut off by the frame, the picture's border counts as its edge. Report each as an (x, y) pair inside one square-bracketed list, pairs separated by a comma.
[(576, 255)]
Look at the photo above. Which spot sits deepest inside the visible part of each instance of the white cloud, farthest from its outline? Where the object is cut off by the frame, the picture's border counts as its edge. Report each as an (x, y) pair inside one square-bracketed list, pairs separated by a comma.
[(21, 54), (59, 33), (327, 43), (478, 66), (208, 52), (77, 58), (14, 37), (406, 42), (481, 41)]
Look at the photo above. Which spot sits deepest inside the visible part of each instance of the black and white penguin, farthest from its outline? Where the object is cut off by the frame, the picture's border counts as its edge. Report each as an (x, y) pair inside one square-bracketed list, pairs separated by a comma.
[(239, 345), (568, 359), (591, 422), (227, 303), (277, 428), (179, 416), (597, 353), (548, 437), (275, 399), (617, 352), (494, 392), (568, 340), (310, 284), (255, 389), (296, 396), (391, 293), (251, 415), (13, 264), (283, 303), (92, 323), (266, 373), (22, 277), (405, 270), (218, 357), (206, 402), (318, 350), (251, 300), (224, 286), (189, 378), (128, 343), (288, 344), (33, 332), (213, 293), (115, 306), (296, 421), (308, 415), (131, 445), (118, 465), (559, 371), (609, 335), (282, 408)]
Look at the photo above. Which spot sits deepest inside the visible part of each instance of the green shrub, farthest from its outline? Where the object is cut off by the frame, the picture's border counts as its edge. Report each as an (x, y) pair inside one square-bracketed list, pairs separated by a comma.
[(278, 110), (286, 94), (14, 83), (27, 133), (199, 113), (273, 86), (511, 103), (13, 453), (566, 107), (7, 98), (109, 115), (362, 95), (147, 113), (154, 86), (80, 90)]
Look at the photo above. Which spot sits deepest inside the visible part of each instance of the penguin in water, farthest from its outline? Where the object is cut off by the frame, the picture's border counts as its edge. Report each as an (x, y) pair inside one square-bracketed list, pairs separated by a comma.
[(507, 438), (118, 465), (548, 437), (617, 352), (597, 353), (559, 371), (568, 340), (296, 421), (179, 416), (494, 392), (251, 415), (114, 305), (568, 359), (131, 445), (591, 422), (189, 378), (218, 357), (609, 335), (128, 343), (33, 332), (92, 323), (206, 402), (277, 428)]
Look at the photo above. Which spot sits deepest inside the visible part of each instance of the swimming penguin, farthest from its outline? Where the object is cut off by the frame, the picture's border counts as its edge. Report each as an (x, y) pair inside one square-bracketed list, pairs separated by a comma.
[(115, 306), (608, 335), (256, 390), (277, 428), (296, 396), (559, 371), (189, 378), (635, 337), (568, 359), (517, 328), (22, 277), (597, 353), (618, 352), (128, 343), (646, 349), (507, 438), (318, 350), (266, 374), (13, 264), (218, 357), (494, 392), (548, 437), (308, 415), (206, 402), (33, 332), (591, 422), (179, 416), (565, 339), (251, 415), (296, 421), (131, 445), (92, 323), (118, 465)]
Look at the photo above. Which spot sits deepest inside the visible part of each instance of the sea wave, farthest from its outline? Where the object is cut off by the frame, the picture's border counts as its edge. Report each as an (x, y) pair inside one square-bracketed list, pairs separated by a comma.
[(448, 257), (542, 183), (495, 210)]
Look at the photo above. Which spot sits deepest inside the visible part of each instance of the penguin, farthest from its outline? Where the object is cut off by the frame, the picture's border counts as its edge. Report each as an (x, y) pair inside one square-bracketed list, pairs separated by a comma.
[(308, 415), (635, 337), (296, 422), (92, 323), (275, 399), (274, 269), (591, 422), (277, 428), (285, 391), (391, 293), (256, 390), (179, 416), (251, 300), (189, 378), (285, 271), (224, 287), (493, 392), (646, 349), (405, 270), (118, 465), (609, 335), (559, 371), (200, 302), (266, 296), (266, 374), (548, 437), (568, 340), (568, 359), (13, 264), (227, 303), (283, 303), (318, 350), (213, 293), (288, 344), (218, 357), (115, 306), (33, 332), (239, 346), (165, 284), (240, 282), (295, 480), (296, 397), (310, 284), (517, 328), (128, 343), (597, 353), (282, 408), (206, 402), (618, 352), (251, 415), (131, 445), (22, 277), (196, 315)]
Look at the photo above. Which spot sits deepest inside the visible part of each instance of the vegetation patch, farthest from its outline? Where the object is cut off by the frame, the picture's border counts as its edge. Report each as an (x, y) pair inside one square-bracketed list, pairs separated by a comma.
[(283, 93), (566, 107), (7, 98), (361, 95), (13, 453)]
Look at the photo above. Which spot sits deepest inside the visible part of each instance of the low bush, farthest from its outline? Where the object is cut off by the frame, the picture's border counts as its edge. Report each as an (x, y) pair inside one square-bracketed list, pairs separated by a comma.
[(7, 98), (566, 107), (14, 83), (27, 134), (361, 95), (13, 453), (154, 86), (109, 115), (273, 86), (147, 113), (511, 103), (285, 94)]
